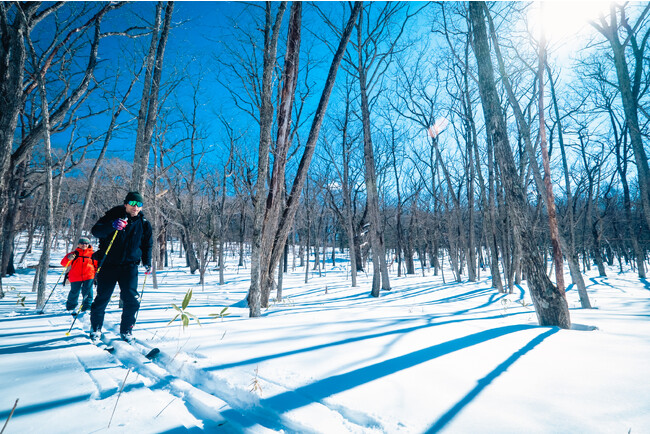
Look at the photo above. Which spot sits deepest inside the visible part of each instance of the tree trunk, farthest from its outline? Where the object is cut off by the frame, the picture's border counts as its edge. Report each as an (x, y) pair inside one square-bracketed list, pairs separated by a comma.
[(289, 211), (242, 233), (621, 166), (550, 199), (550, 303), (271, 34), (44, 263), (275, 198), (12, 70), (629, 92), (12, 218), (380, 268), (569, 246), (117, 110), (149, 104)]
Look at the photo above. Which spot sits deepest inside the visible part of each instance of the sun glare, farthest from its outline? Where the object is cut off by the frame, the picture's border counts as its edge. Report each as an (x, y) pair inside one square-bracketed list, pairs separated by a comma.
[(563, 21)]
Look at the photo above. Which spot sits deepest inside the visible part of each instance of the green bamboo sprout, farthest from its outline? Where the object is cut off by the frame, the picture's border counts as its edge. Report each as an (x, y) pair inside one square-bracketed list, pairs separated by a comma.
[(183, 313), (221, 314)]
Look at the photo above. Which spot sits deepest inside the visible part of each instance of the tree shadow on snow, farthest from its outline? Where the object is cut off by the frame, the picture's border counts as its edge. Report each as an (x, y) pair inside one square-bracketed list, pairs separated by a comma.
[(22, 410), (432, 321), (44, 345), (322, 389), (646, 283), (485, 381), (603, 281)]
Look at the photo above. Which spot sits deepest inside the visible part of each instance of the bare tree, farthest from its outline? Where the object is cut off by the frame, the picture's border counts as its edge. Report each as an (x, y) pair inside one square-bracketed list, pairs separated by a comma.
[(372, 60), (271, 35), (149, 103), (278, 229), (550, 303), (569, 246), (117, 108), (17, 21), (345, 178), (630, 85), (548, 186), (544, 187), (44, 263)]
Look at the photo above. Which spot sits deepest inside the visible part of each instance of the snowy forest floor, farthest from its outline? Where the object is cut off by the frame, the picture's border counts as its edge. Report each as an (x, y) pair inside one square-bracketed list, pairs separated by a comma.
[(426, 356)]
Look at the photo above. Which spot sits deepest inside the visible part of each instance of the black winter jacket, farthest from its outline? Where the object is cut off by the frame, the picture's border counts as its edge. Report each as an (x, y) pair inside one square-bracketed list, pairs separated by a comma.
[(132, 244)]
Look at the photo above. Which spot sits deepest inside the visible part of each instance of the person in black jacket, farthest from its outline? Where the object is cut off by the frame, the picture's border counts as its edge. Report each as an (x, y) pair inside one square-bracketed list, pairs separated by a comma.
[(131, 237)]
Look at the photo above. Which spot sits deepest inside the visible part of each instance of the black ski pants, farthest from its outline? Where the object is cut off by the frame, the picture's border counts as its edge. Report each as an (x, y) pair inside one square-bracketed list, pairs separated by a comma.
[(126, 275), (86, 288)]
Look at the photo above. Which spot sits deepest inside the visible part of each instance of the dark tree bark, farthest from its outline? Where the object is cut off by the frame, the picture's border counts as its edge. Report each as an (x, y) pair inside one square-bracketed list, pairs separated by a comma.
[(12, 218), (550, 303)]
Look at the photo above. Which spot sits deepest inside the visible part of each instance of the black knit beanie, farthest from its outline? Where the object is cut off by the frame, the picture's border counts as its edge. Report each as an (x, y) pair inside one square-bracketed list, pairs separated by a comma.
[(133, 195)]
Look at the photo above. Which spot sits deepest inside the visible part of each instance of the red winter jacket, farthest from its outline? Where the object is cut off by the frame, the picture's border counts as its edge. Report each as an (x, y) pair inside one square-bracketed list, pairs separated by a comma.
[(83, 267)]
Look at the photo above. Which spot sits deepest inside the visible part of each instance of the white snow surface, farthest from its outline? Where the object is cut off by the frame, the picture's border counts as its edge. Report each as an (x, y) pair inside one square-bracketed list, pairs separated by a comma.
[(427, 356)]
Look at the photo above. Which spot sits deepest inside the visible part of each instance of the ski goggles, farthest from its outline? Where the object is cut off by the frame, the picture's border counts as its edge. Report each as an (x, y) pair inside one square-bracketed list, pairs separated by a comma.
[(134, 203)]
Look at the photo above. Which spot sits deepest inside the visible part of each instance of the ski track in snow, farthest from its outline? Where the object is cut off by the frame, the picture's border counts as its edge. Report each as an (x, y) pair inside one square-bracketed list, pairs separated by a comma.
[(109, 372), (205, 395)]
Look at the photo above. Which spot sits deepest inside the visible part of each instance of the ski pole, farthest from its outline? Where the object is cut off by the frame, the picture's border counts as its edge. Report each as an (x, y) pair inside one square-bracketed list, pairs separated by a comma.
[(141, 295), (108, 249), (57, 282)]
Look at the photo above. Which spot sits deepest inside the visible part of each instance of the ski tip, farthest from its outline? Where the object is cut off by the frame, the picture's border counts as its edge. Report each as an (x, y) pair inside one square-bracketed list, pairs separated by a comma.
[(153, 353)]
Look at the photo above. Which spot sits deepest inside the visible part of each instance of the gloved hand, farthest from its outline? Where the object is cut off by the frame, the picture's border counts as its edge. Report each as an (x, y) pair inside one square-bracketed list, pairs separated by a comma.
[(147, 269), (71, 256), (119, 224)]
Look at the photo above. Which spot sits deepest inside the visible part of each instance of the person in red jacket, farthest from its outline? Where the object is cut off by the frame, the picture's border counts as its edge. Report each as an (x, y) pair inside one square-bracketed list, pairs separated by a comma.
[(81, 274)]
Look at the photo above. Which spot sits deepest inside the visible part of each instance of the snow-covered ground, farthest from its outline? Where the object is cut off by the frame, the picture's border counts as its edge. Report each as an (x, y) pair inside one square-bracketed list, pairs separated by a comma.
[(424, 357)]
